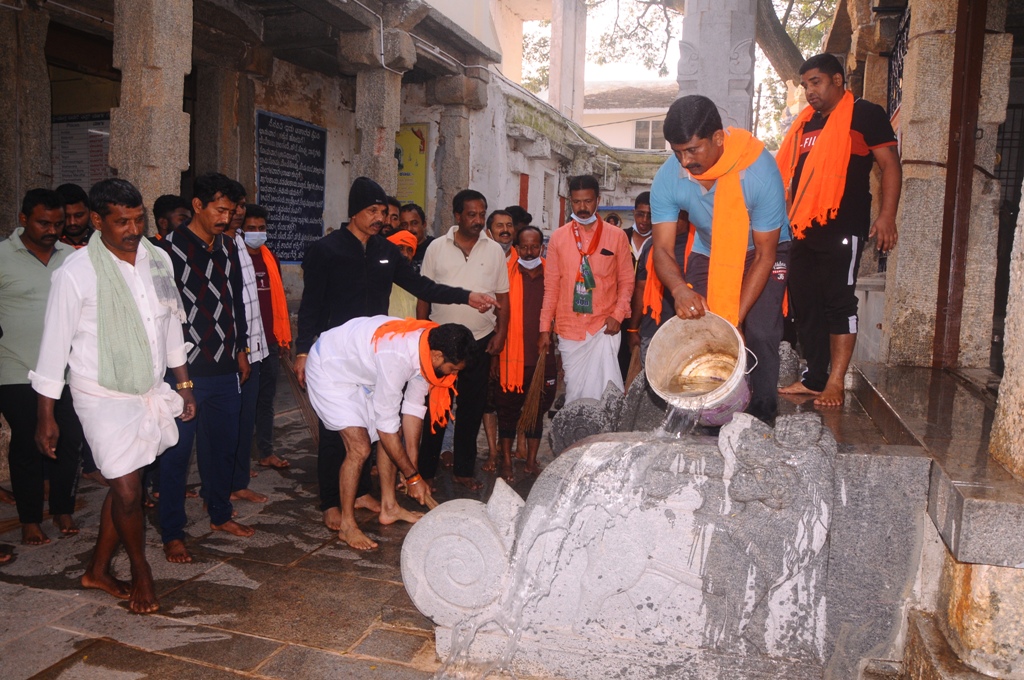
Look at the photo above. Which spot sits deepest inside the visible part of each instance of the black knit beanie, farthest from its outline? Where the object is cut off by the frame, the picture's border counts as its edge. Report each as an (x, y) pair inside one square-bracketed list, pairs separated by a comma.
[(364, 193)]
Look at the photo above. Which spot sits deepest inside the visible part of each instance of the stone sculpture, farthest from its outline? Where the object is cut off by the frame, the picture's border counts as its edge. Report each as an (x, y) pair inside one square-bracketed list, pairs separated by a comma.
[(641, 555)]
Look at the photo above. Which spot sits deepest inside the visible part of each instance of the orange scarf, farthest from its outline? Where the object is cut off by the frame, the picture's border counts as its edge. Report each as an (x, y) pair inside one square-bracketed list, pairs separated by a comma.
[(730, 225), (823, 178), (654, 290), (441, 388), (278, 302), (512, 360)]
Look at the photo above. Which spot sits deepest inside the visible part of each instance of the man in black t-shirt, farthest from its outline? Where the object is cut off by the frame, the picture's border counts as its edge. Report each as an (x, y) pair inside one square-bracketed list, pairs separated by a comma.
[(829, 232)]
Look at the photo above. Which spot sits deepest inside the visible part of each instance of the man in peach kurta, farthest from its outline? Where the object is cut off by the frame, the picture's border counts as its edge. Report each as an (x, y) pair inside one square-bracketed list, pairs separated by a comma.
[(588, 284)]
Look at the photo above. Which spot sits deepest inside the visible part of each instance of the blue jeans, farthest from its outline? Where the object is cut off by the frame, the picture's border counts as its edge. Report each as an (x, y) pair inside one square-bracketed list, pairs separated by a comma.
[(246, 427), (215, 433)]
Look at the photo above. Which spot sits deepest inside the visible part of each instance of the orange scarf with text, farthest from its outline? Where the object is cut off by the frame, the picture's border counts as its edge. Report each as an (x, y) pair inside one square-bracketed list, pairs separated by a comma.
[(278, 302), (441, 388), (730, 224), (511, 361), (654, 290), (823, 178)]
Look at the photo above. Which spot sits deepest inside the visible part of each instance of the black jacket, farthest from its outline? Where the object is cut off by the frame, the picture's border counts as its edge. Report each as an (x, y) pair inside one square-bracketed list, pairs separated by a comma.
[(342, 281)]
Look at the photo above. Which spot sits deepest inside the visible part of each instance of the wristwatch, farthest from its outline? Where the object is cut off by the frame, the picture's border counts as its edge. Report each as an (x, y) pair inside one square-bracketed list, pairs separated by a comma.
[(187, 385)]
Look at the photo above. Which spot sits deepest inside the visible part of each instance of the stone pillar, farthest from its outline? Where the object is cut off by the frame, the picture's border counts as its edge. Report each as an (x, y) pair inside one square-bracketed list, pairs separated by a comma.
[(225, 124), (378, 100), (149, 131), (24, 108), (459, 95), (568, 57), (716, 56), (982, 616), (913, 272)]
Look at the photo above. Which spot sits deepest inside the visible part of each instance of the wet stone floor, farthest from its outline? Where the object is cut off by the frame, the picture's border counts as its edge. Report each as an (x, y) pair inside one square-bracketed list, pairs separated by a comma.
[(290, 602)]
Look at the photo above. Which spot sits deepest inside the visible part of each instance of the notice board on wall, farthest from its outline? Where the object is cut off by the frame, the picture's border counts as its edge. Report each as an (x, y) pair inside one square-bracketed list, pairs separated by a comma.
[(411, 153), (291, 163), (80, 149)]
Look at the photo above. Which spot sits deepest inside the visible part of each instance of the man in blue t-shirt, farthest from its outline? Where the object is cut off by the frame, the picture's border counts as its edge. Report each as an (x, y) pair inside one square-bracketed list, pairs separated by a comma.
[(701, 178)]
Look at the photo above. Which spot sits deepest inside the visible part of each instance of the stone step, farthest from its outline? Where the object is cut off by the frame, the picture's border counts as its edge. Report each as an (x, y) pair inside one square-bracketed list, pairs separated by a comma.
[(929, 657)]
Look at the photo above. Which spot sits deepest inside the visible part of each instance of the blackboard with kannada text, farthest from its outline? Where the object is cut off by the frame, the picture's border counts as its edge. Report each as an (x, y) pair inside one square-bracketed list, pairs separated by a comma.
[(291, 161)]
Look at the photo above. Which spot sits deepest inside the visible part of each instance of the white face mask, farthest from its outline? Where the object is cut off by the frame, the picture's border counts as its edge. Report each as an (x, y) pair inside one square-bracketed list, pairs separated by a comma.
[(255, 239), (530, 264), (589, 220), (506, 247)]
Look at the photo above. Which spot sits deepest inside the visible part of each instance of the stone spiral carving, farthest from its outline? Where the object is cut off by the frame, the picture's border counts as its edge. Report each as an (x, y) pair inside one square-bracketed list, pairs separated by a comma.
[(455, 561)]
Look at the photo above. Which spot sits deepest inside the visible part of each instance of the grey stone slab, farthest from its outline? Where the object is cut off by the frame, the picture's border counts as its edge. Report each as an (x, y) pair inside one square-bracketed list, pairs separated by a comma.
[(105, 660), (330, 611), (877, 528), (392, 645), (26, 609), (302, 662), (157, 633), (400, 612), (47, 646)]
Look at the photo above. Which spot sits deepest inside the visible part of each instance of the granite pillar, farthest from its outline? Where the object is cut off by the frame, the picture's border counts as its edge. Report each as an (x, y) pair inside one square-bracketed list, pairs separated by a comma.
[(568, 57), (380, 67), (459, 95), (24, 108), (716, 56), (225, 124), (1008, 428), (149, 131), (913, 273)]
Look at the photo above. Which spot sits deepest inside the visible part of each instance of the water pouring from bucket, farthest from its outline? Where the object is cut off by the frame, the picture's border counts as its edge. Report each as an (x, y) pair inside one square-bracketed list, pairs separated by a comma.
[(700, 366)]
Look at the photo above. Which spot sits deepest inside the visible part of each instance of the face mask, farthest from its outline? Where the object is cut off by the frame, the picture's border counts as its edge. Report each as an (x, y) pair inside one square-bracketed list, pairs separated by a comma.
[(255, 239), (506, 247), (589, 220), (642, 233), (530, 264)]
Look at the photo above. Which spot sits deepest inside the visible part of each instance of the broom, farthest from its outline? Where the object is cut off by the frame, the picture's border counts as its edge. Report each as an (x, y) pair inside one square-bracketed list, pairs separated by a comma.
[(533, 396), (308, 414), (634, 367)]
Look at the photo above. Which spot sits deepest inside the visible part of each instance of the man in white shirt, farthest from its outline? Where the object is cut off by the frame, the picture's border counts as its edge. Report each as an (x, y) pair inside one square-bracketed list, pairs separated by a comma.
[(114, 317), (259, 349), (467, 258), (372, 378)]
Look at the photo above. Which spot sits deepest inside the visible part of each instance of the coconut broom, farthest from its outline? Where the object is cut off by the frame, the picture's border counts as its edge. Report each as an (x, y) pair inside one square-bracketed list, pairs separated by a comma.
[(533, 397)]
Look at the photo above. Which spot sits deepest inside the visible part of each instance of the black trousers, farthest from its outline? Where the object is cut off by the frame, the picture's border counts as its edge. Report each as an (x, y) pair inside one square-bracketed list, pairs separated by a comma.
[(330, 456), (29, 467), (822, 293), (270, 367), (471, 386)]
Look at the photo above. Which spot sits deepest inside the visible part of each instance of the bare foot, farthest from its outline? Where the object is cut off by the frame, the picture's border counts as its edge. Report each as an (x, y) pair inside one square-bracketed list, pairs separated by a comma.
[(148, 501), (398, 514), (833, 395), (471, 483), (533, 469), (491, 465), (6, 556), (253, 474), (332, 517), (248, 495), (97, 477), (108, 584), (143, 596), (65, 524), (355, 538), (175, 552), (6, 497), (508, 474), (364, 502), (191, 493), (234, 528), (33, 534), (274, 461), (797, 388), (446, 459)]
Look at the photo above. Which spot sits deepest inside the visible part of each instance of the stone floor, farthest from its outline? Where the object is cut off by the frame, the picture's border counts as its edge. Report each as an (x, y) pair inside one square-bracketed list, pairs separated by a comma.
[(290, 602)]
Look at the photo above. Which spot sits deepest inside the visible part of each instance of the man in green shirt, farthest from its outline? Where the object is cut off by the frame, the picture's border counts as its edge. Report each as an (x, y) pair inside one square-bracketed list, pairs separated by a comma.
[(27, 260)]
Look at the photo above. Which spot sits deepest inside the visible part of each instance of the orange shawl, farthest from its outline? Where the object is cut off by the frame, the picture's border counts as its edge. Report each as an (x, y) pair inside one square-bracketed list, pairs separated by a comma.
[(654, 290), (278, 302), (730, 224), (511, 361), (441, 388), (823, 178)]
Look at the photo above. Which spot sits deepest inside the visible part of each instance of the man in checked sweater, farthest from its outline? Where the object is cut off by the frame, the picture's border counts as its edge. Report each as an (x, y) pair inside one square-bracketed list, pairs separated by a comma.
[(209, 278)]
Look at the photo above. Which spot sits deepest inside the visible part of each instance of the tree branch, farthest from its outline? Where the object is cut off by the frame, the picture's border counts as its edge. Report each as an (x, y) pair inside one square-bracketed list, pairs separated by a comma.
[(778, 47)]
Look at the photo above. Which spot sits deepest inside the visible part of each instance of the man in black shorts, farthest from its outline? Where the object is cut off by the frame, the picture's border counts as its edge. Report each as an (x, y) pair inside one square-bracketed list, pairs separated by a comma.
[(826, 161)]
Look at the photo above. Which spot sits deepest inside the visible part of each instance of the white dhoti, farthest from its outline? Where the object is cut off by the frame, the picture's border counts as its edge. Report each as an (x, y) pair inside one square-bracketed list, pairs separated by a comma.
[(590, 364), (126, 431), (339, 404)]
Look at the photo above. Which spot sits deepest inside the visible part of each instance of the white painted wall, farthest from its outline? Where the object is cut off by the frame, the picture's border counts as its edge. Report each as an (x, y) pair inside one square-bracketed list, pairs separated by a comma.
[(618, 128)]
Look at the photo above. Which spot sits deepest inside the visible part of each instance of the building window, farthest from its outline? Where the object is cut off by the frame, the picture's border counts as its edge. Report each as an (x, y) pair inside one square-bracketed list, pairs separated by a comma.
[(649, 135)]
